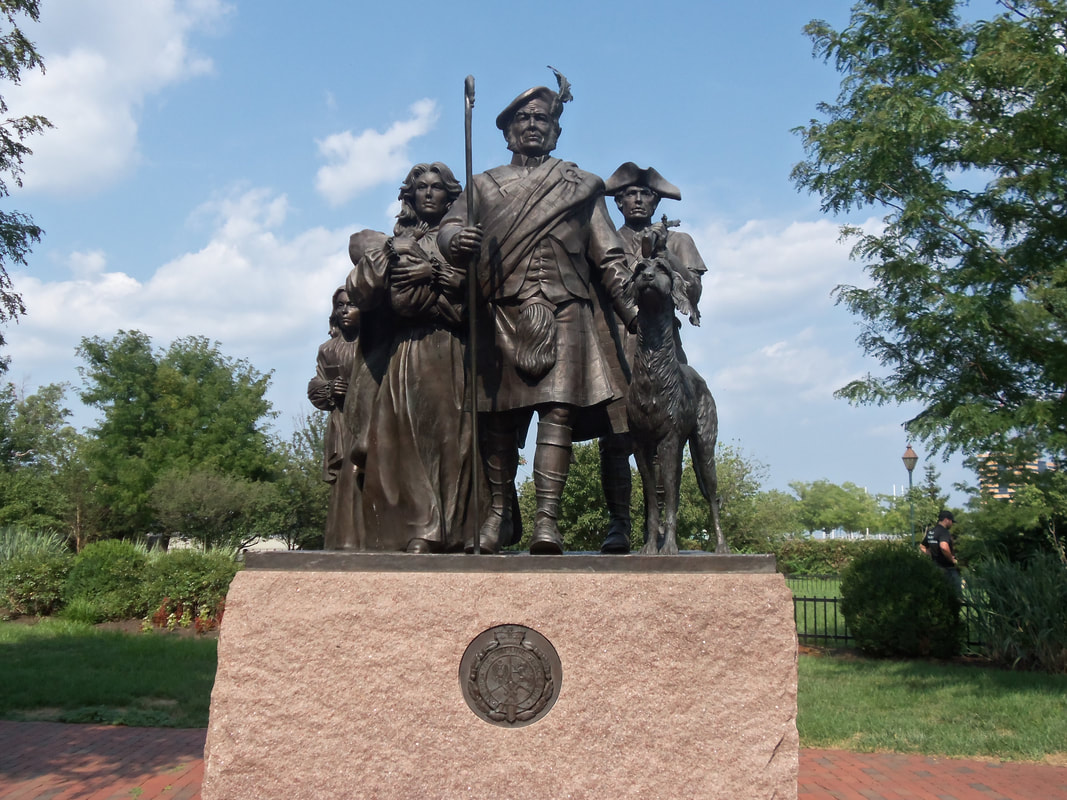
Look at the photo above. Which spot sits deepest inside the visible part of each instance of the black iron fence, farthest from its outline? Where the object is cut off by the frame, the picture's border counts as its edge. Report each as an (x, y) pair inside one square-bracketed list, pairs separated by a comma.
[(820, 622)]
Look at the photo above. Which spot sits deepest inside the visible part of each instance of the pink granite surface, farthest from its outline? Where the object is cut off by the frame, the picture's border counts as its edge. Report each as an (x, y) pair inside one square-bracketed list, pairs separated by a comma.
[(346, 685)]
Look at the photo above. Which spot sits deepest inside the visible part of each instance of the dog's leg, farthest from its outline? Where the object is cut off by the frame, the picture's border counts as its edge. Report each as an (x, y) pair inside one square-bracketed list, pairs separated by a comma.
[(671, 474), (702, 448), (647, 470)]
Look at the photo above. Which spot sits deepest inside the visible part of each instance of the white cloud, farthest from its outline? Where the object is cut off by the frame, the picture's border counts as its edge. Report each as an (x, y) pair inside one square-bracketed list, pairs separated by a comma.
[(798, 367), (358, 162), (103, 59), (87, 264), (264, 296), (765, 267)]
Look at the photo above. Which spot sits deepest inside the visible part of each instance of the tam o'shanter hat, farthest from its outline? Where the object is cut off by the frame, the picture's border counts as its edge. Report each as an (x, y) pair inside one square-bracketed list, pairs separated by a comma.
[(555, 100), (503, 119), (629, 174)]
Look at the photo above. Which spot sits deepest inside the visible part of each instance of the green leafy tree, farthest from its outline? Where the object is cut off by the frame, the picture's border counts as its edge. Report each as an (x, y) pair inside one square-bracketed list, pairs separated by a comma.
[(188, 408), (298, 513), (928, 499), (17, 230), (825, 506), (212, 508), (40, 460), (752, 520), (956, 129), (776, 517), (1016, 529)]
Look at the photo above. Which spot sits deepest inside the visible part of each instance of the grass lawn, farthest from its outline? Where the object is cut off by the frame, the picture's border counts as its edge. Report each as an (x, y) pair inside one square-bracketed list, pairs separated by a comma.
[(803, 586), (931, 707), (66, 672), (58, 671)]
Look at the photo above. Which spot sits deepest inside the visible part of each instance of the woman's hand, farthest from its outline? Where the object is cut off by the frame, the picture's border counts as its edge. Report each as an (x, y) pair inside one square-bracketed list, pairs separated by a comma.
[(410, 271)]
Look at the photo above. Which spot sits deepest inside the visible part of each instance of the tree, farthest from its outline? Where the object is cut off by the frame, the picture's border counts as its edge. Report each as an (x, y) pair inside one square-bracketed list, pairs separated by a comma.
[(17, 230), (298, 515), (186, 409), (827, 507), (40, 461), (928, 500), (1029, 523), (752, 520), (212, 508), (956, 129)]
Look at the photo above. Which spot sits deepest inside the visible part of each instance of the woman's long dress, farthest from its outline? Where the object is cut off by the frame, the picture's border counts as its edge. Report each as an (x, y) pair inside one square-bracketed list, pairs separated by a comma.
[(415, 435)]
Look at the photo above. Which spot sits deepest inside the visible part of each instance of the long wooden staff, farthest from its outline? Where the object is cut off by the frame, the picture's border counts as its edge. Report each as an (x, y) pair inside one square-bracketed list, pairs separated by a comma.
[(472, 314)]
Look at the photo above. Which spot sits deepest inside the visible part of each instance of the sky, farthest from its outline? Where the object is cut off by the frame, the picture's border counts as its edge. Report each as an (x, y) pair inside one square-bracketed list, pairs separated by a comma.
[(210, 159)]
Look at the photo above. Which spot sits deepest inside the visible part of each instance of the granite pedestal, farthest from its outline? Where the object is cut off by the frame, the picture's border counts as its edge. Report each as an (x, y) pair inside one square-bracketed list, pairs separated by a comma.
[(339, 677)]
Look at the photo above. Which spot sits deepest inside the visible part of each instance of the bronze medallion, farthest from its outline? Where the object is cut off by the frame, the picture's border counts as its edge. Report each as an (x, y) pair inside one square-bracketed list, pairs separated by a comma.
[(510, 675)]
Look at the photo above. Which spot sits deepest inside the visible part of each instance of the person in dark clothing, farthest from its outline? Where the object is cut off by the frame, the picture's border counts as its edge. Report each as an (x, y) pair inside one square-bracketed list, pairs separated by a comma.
[(938, 544)]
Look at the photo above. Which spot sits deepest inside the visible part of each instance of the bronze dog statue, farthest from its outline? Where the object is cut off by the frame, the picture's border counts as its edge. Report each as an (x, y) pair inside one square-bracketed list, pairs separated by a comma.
[(669, 404)]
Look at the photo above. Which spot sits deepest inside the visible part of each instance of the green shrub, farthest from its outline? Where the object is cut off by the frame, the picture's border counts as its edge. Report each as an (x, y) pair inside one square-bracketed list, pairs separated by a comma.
[(819, 556), (32, 584), (105, 581), (897, 602), (1022, 612), (188, 584), (16, 542), (84, 610)]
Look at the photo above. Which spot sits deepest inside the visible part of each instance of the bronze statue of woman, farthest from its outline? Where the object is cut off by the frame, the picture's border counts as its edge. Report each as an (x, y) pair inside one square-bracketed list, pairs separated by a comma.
[(327, 391), (415, 434)]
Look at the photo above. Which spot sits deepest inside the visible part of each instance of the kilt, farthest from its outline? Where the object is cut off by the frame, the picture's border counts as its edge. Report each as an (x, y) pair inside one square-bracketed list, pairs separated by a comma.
[(581, 375)]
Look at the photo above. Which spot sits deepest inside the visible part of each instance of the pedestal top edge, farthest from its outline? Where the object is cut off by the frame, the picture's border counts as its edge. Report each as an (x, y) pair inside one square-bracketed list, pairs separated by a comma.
[(338, 561)]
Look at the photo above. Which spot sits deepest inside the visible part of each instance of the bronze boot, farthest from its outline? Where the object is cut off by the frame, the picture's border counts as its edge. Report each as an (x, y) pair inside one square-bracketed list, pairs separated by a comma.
[(552, 461), (501, 463), (617, 481)]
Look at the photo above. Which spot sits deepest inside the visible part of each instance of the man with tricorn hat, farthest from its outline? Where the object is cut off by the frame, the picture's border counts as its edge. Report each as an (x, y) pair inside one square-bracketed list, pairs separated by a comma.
[(637, 193), (541, 241)]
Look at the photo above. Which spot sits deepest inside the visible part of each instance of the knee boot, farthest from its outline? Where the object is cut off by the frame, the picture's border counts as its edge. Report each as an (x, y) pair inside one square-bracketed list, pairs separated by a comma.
[(501, 463), (552, 461), (617, 482)]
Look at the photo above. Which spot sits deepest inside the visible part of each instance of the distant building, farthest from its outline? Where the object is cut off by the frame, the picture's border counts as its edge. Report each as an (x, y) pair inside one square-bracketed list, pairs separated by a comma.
[(1000, 480)]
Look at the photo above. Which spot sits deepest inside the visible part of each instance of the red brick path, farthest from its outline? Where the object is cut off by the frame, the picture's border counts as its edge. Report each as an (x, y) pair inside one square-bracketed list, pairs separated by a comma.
[(48, 761), (839, 775)]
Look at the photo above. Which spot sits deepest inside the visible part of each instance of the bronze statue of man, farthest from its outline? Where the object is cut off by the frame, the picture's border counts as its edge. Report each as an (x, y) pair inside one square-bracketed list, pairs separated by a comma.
[(637, 193), (542, 239)]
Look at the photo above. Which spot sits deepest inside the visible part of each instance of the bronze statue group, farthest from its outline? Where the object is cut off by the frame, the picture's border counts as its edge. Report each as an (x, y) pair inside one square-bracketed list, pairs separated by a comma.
[(554, 335)]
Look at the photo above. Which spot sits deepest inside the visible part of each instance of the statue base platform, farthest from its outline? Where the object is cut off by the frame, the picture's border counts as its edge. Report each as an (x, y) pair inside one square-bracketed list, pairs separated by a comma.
[(340, 676)]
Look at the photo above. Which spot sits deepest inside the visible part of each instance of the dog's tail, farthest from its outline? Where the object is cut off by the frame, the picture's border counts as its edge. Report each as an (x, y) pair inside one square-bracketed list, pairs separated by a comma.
[(702, 444)]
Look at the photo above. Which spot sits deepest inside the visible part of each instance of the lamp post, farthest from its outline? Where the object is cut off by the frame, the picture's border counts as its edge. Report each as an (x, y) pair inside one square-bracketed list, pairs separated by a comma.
[(910, 460)]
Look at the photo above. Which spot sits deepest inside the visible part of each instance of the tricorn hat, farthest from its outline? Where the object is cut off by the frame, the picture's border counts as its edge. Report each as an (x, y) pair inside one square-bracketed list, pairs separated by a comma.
[(629, 174)]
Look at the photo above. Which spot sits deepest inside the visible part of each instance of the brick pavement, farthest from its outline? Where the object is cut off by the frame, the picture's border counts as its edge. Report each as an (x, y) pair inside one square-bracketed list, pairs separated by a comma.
[(50, 761), (840, 775)]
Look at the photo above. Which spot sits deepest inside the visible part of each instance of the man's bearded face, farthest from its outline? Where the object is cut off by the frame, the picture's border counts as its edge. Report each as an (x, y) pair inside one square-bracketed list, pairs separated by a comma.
[(533, 131)]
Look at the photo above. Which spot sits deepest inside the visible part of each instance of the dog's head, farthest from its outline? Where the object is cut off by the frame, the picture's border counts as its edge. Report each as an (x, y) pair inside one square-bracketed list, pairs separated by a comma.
[(655, 285)]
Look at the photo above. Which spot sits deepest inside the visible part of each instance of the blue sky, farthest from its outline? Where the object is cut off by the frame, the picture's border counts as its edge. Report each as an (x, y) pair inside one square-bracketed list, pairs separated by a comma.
[(211, 158)]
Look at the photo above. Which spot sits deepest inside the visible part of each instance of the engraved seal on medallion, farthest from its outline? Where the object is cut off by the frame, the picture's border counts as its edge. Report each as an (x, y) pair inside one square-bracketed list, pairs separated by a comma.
[(510, 675)]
